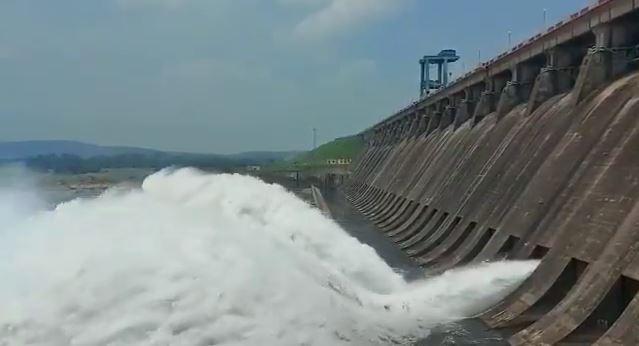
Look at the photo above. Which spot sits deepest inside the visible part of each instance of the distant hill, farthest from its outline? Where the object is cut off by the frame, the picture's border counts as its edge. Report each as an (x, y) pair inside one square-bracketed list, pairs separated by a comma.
[(25, 149), (20, 150), (263, 156)]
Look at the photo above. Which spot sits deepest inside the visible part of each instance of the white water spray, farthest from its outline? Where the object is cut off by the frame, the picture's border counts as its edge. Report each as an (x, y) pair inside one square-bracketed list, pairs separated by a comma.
[(197, 259)]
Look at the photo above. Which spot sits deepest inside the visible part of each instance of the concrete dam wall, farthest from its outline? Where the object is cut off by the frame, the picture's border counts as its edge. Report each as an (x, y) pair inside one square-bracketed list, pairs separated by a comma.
[(538, 160)]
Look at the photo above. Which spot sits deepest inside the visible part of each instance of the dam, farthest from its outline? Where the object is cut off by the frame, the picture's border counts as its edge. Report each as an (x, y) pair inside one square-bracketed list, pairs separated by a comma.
[(533, 155)]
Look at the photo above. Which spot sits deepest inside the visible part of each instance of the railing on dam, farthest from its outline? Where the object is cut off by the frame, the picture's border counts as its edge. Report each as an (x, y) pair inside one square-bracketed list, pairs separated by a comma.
[(607, 24), (538, 160)]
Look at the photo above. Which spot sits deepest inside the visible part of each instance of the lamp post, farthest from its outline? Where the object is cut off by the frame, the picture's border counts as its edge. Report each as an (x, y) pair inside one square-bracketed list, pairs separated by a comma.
[(545, 19), (314, 138)]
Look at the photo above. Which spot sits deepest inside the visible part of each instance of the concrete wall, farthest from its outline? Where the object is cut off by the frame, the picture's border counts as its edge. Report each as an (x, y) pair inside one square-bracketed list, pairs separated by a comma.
[(605, 23), (550, 173)]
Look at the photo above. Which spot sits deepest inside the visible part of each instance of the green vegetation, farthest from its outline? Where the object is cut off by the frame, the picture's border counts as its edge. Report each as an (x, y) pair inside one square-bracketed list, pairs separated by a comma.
[(341, 148), (73, 164)]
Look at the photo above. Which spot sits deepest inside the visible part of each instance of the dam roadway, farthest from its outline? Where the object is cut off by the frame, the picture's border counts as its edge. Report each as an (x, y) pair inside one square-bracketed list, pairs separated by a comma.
[(533, 155)]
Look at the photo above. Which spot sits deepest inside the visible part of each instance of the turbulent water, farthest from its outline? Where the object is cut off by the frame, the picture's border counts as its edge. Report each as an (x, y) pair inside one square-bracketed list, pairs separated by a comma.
[(197, 259)]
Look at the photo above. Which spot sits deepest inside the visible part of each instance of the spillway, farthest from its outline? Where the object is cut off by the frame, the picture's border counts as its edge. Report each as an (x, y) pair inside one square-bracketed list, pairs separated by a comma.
[(535, 155)]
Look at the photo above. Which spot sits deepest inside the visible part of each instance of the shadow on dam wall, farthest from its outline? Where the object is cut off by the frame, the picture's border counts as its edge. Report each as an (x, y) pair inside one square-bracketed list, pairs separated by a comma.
[(552, 175)]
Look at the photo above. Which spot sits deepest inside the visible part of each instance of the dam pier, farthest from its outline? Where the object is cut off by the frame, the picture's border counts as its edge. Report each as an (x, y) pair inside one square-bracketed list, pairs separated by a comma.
[(533, 155)]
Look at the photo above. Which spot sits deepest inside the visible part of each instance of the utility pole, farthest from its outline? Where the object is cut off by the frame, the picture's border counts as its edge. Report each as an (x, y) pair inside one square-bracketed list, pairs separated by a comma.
[(510, 39), (479, 57), (314, 138), (545, 19)]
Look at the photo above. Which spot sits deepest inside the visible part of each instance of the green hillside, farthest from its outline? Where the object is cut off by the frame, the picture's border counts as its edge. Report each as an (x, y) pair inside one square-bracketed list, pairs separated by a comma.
[(341, 148)]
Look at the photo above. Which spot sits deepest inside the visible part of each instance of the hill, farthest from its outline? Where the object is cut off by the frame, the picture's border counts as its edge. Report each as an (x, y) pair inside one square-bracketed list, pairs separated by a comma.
[(340, 148), (261, 157), (79, 157), (19, 150), (25, 149)]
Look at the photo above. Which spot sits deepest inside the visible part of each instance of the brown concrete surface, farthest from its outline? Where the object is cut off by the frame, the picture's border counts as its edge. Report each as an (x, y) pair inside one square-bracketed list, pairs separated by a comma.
[(464, 333), (526, 171)]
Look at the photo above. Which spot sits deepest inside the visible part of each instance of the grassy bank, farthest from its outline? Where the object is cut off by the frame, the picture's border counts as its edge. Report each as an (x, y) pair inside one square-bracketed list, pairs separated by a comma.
[(341, 148)]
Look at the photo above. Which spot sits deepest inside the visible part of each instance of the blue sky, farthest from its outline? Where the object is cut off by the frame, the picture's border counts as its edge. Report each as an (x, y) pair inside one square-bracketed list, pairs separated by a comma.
[(233, 75)]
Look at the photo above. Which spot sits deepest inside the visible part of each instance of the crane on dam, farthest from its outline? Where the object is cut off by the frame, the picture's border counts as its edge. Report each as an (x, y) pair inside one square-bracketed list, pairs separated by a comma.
[(441, 60)]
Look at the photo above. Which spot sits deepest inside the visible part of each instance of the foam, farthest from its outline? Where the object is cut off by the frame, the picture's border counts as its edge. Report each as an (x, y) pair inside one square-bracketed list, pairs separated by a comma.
[(198, 259)]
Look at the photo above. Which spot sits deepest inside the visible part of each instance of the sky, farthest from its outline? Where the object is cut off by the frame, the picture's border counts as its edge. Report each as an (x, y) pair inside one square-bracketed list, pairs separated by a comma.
[(226, 76)]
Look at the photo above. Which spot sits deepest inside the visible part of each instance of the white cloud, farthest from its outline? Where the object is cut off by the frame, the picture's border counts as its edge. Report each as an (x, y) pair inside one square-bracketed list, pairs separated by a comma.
[(145, 3), (6, 52), (323, 19), (303, 2), (338, 16), (206, 69)]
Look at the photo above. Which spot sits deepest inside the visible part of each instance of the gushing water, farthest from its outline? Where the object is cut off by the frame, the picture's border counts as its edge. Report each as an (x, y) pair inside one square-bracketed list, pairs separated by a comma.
[(198, 259)]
